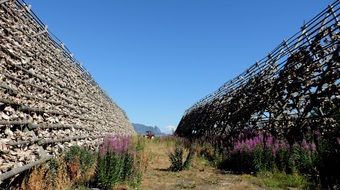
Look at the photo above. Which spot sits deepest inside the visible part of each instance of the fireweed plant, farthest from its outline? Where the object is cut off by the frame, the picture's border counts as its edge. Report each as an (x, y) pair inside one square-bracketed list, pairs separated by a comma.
[(264, 152), (117, 162)]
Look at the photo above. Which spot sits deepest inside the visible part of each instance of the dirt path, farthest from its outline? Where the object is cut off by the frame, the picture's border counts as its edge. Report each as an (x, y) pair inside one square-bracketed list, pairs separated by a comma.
[(200, 176)]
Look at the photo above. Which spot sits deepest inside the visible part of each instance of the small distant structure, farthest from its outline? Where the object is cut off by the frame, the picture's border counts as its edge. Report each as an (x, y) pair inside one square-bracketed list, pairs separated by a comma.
[(149, 135)]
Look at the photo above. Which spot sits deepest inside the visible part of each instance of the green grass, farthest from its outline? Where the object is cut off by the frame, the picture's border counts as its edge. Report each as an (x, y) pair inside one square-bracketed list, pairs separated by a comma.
[(283, 180)]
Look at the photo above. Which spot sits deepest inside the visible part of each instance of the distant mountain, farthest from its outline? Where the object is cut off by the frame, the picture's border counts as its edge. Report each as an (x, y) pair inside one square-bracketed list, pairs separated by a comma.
[(141, 129)]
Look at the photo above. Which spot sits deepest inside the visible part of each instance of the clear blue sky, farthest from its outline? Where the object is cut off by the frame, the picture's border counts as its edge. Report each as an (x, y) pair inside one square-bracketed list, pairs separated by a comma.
[(156, 58)]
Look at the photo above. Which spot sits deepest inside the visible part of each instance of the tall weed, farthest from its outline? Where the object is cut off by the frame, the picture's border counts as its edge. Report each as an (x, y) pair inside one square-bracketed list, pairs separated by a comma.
[(119, 161)]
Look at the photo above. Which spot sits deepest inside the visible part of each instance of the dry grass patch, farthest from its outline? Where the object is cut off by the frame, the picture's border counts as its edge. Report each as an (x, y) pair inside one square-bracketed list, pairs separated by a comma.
[(200, 176), (77, 166), (45, 177)]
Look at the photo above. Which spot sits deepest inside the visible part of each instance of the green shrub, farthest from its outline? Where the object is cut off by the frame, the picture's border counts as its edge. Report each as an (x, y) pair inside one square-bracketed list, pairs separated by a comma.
[(119, 162), (85, 157), (294, 160), (266, 153), (209, 153), (110, 170), (127, 169), (136, 176), (116, 168), (282, 160), (53, 166), (263, 159), (301, 160), (188, 161), (176, 159)]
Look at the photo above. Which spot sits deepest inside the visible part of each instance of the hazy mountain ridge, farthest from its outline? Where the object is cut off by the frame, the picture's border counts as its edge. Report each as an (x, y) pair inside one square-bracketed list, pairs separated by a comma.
[(141, 129)]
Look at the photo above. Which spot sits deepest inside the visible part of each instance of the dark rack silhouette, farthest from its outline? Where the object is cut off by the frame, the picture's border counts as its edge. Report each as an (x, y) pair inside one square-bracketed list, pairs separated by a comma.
[(291, 92)]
